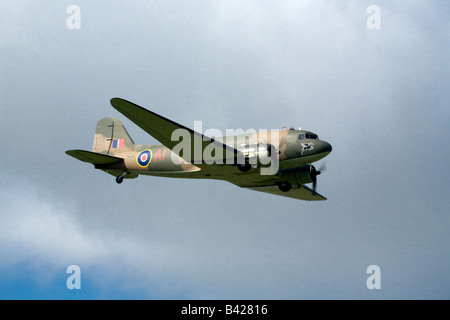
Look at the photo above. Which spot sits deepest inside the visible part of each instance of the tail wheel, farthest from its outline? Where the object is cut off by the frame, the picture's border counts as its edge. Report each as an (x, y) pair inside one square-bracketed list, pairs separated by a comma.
[(284, 186), (119, 179)]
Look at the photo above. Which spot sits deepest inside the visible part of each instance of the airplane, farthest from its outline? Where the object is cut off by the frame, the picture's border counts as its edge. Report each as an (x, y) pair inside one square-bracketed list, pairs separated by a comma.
[(246, 159)]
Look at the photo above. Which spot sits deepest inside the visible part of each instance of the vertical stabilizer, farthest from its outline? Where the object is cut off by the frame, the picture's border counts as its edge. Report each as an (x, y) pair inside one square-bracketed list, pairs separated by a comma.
[(111, 137)]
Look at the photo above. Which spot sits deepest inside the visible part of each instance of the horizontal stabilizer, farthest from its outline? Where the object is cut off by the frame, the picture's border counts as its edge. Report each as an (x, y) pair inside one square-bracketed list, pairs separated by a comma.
[(302, 193), (93, 157)]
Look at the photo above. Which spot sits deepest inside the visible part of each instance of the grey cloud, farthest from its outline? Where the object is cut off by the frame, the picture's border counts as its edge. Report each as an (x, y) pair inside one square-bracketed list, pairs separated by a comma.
[(379, 97)]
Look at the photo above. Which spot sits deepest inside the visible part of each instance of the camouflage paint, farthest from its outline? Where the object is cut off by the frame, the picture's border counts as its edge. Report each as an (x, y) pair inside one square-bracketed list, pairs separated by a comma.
[(114, 152)]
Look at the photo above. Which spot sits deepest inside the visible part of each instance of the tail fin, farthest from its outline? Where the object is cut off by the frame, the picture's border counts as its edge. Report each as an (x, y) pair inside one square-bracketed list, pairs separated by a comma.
[(111, 137)]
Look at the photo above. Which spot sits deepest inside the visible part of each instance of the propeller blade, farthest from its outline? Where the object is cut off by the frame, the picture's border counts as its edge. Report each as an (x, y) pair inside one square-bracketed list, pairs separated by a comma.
[(313, 173), (323, 167)]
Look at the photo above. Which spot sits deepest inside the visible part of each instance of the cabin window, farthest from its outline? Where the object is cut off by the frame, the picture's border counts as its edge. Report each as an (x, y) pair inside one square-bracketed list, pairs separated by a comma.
[(301, 136)]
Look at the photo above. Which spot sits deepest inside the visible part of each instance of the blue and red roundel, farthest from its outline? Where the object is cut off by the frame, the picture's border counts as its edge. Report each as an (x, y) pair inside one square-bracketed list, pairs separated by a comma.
[(144, 157)]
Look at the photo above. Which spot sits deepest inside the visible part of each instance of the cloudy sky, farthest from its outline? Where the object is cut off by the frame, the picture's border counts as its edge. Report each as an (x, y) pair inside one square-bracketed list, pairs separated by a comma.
[(379, 96)]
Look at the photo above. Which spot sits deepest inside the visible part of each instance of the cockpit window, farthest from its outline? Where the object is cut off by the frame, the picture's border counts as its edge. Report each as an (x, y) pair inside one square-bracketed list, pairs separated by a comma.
[(303, 136)]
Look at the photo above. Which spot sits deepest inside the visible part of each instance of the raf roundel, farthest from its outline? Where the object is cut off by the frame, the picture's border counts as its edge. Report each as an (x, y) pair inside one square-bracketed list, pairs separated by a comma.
[(144, 157)]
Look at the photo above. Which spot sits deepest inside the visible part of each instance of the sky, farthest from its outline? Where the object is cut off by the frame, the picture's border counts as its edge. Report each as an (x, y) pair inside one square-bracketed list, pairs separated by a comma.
[(378, 95)]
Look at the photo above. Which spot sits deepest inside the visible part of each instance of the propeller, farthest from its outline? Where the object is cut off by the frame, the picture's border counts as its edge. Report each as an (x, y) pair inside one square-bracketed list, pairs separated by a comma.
[(314, 173)]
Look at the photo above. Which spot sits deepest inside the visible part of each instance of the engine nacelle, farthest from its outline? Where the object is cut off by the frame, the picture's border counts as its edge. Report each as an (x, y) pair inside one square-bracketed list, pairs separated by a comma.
[(303, 175), (297, 177)]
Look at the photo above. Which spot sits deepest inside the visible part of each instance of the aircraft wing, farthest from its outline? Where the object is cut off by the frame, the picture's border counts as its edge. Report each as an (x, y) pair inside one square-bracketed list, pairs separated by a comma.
[(302, 193), (162, 128)]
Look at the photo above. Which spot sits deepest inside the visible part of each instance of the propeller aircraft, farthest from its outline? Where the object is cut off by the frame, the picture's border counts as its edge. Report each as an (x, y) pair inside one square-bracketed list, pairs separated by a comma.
[(277, 162)]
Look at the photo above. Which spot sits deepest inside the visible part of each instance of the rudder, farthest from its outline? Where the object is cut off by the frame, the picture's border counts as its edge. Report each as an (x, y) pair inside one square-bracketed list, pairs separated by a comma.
[(111, 137)]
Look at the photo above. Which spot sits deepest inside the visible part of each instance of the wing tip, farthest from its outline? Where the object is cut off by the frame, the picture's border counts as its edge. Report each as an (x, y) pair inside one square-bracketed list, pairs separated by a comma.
[(115, 100)]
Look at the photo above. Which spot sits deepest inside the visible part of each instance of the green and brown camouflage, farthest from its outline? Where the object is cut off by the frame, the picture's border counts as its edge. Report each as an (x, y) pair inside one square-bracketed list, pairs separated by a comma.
[(184, 153)]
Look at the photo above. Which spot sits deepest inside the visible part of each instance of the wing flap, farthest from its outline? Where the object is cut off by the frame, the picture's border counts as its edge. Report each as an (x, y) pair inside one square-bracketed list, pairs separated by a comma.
[(302, 193)]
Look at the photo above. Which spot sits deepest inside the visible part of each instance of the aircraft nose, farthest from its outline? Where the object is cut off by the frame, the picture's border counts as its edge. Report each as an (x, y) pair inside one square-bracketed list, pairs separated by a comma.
[(326, 147), (323, 147)]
